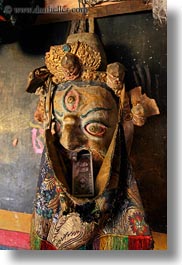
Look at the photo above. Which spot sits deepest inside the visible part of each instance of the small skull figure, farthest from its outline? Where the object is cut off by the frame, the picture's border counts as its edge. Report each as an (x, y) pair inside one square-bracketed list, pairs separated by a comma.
[(70, 66), (115, 76)]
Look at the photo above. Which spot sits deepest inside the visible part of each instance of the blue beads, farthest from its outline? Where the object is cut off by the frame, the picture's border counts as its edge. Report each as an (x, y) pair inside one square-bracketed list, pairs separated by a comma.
[(66, 48)]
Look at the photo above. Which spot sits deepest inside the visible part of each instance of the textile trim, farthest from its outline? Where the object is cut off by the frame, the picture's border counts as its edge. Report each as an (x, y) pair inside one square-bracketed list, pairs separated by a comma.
[(123, 242)]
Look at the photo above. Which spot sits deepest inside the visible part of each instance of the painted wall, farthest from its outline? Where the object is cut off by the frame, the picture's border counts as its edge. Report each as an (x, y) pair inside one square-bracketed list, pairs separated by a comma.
[(19, 163), (131, 39), (20, 137)]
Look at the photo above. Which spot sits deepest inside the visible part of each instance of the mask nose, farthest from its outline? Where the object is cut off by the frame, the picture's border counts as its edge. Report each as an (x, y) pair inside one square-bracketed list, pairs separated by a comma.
[(72, 136)]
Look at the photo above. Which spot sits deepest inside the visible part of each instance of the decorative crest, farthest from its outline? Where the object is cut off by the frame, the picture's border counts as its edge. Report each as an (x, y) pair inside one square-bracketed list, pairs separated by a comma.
[(84, 57)]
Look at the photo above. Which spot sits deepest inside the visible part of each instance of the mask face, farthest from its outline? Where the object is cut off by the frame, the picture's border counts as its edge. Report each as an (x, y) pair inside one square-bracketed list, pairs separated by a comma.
[(86, 118)]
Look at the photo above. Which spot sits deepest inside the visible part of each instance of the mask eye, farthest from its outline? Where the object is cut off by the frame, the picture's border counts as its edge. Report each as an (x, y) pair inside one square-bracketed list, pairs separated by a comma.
[(95, 129)]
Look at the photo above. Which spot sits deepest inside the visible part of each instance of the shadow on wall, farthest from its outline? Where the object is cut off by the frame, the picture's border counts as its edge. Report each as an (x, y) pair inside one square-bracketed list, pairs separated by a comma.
[(136, 41), (141, 74), (38, 39)]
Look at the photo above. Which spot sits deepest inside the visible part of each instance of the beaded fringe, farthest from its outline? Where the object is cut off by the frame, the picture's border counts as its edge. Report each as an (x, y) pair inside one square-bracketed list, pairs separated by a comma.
[(121, 242)]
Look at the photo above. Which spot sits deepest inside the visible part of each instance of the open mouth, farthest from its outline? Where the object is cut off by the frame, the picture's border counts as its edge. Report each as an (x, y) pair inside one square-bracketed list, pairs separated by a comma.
[(78, 166), (82, 174)]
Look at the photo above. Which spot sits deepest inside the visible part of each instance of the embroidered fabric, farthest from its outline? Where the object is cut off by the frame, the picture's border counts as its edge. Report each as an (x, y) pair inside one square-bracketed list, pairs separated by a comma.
[(115, 215)]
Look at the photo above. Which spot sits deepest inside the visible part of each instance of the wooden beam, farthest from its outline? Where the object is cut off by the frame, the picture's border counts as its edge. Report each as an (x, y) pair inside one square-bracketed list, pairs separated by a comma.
[(119, 8), (68, 13)]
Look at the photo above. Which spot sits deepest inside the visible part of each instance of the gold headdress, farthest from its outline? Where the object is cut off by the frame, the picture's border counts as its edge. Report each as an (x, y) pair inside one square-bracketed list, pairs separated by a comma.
[(82, 58), (89, 58)]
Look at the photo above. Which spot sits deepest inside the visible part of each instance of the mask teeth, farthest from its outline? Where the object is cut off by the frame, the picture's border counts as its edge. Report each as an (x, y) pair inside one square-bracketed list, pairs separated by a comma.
[(74, 156), (82, 174)]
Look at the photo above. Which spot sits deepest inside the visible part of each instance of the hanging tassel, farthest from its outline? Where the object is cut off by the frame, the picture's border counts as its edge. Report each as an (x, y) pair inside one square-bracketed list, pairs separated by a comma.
[(140, 243), (121, 242), (111, 242), (35, 241)]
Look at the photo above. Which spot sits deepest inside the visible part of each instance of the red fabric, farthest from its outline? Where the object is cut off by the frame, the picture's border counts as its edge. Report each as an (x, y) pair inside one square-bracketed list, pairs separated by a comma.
[(140, 242), (45, 245)]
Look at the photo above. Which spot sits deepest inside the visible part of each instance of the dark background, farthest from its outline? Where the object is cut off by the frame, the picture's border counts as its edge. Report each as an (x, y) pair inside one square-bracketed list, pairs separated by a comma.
[(134, 40)]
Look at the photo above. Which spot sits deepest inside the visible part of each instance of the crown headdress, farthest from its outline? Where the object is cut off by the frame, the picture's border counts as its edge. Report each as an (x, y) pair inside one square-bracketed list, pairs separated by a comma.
[(89, 58)]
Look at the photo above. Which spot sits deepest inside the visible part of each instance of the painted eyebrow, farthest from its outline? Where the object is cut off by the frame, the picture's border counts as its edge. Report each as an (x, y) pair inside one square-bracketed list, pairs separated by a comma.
[(94, 110)]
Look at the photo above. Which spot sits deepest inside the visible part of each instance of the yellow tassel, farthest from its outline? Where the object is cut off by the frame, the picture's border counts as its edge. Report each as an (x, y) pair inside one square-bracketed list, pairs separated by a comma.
[(113, 242)]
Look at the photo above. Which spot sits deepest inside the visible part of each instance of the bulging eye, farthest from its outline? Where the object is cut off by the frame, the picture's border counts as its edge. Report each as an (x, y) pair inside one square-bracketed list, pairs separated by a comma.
[(95, 129)]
